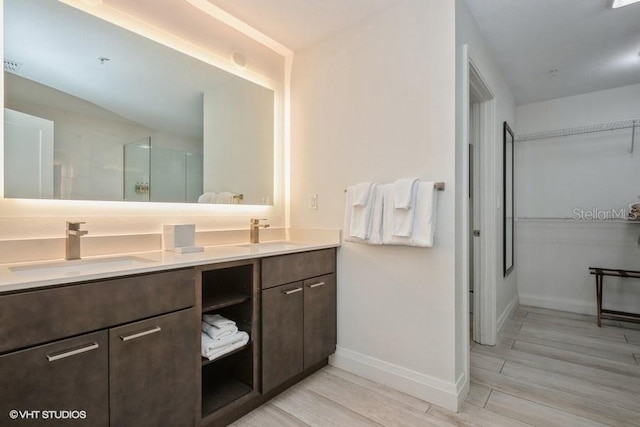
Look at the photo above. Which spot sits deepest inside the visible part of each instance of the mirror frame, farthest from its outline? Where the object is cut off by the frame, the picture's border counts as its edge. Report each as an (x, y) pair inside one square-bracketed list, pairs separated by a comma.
[(508, 165)]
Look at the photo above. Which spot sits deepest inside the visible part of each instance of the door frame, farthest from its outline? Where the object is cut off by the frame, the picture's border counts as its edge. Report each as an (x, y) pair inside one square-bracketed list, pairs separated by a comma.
[(485, 316)]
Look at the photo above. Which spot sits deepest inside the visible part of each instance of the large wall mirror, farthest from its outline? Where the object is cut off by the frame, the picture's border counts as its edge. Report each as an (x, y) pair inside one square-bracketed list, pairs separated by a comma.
[(96, 112), (508, 223)]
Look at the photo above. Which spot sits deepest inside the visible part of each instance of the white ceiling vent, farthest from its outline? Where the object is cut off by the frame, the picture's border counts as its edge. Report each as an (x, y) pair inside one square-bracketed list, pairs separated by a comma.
[(11, 66)]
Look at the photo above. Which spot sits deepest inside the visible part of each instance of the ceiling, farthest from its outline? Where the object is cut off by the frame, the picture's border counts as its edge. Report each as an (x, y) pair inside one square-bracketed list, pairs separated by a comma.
[(299, 23), (555, 48), (545, 48)]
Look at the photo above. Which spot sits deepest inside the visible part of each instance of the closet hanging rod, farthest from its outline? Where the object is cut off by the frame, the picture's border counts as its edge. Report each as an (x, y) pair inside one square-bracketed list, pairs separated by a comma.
[(439, 186), (601, 127)]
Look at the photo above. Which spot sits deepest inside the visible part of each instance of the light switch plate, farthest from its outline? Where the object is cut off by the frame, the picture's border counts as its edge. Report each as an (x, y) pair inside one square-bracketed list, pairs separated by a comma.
[(313, 202)]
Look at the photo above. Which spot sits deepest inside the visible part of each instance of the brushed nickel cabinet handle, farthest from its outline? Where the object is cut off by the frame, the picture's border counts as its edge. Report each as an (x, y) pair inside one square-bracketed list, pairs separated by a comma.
[(292, 291), (140, 334), (315, 285), (68, 353)]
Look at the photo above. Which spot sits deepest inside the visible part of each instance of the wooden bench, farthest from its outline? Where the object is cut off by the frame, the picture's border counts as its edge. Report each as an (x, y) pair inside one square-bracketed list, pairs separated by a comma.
[(613, 314)]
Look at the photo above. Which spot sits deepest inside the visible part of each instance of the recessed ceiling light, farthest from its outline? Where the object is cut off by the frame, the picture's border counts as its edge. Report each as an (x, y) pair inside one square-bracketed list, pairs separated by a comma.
[(619, 3)]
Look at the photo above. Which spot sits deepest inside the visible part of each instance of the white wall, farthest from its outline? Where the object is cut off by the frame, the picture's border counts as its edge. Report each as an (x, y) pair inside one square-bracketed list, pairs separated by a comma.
[(503, 108), (376, 103), (557, 178)]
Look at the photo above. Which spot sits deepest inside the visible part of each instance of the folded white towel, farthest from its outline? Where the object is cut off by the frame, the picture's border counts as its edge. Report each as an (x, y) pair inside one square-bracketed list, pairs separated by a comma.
[(213, 349), (404, 193), (218, 333), (217, 320), (226, 197), (424, 221), (361, 194)]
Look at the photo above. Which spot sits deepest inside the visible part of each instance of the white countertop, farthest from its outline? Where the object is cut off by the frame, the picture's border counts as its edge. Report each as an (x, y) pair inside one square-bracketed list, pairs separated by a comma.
[(31, 275)]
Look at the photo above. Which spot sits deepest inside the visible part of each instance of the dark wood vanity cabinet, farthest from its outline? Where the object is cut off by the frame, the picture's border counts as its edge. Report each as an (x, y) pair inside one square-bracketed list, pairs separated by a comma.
[(67, 375), (129, 372), (299, 317), (152, 381)]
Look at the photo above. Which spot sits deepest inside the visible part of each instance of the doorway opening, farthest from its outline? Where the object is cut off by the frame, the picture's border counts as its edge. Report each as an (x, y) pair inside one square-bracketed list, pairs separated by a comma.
[(481, 183)]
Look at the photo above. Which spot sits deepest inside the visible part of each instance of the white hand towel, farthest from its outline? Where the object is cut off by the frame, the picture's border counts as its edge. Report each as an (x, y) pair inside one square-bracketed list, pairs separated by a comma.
[(404, 193), (217, 320), (212, 349), (218, 333), (361, 194)]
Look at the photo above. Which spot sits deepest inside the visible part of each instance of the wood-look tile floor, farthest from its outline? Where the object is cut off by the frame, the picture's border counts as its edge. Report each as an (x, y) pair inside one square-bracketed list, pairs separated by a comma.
[(550, 368)]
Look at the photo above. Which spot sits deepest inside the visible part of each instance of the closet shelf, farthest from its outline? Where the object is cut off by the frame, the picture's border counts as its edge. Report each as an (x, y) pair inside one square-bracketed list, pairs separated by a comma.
[(601, 127), (572, 219)]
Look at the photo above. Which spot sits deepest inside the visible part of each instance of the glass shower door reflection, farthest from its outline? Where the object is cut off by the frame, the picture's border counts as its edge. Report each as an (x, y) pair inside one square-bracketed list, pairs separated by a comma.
[(137, 164)]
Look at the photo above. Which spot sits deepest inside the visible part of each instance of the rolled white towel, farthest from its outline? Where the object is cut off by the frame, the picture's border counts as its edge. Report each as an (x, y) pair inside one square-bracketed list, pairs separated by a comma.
[(217, 320), (218, 333)]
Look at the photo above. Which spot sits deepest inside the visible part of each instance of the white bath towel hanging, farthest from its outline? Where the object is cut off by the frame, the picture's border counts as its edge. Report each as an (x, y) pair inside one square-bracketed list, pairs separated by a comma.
[(361, 194), (358, 218), (424, 221), (377, 210)]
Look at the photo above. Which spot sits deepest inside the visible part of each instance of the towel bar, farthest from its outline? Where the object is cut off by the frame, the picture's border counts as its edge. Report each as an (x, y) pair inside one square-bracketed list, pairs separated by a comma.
[(439, 186)]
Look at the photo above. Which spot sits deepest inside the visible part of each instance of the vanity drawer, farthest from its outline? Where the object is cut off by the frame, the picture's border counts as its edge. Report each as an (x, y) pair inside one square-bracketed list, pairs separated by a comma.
[(41, 316), (290, 268)]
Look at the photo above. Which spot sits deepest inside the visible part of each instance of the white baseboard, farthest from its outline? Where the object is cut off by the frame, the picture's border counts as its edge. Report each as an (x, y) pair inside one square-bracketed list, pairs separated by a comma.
[(433, 390), (562, 304), (508, 311)]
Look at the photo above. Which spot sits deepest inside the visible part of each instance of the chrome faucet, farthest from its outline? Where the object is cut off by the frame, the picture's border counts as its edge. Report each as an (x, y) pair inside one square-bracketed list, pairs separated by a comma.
[(73, 239), (254, 229)]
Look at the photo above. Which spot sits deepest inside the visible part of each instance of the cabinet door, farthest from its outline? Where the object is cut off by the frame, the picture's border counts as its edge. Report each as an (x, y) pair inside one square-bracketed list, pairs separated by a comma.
[(152, 372), (319, 319), (282, 328), (68, 375)]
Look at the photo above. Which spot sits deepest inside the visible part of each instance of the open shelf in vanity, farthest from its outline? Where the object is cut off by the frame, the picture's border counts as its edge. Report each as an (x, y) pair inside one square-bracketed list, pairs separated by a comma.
[(231, 290)]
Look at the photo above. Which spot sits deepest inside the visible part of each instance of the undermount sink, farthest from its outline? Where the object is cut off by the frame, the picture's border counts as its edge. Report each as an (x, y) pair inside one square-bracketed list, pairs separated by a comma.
[(81, 266), (272, 246)]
